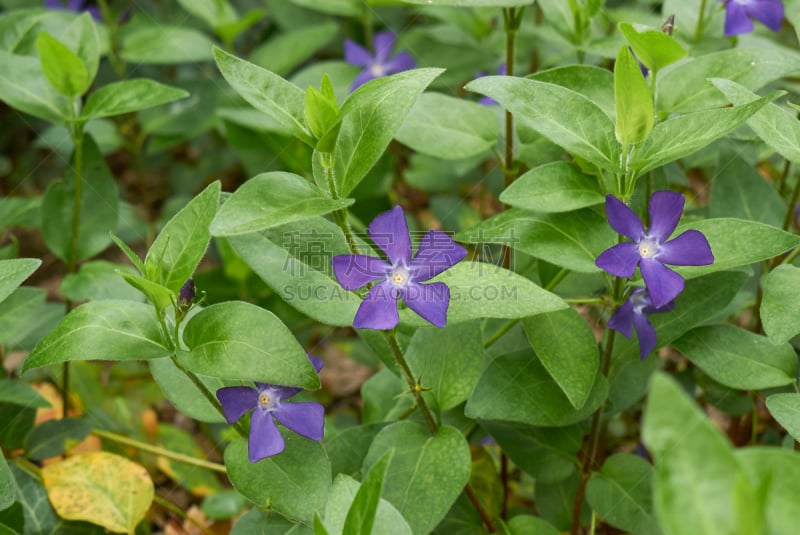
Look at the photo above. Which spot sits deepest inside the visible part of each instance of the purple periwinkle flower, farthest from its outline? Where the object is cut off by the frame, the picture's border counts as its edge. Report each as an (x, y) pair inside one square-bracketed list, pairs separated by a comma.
[(269, 401), (401, 275), (651, 249), (378, 65), (77, 6), (632, 315), (739, 12), (186, 295)]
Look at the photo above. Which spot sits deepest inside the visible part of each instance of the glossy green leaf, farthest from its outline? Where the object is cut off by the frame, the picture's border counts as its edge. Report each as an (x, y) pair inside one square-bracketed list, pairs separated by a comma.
[(198, 481), (566, 347), (82, 36), (517, 388), (634, 104), (19, 310), (699, 486), (388, 520), (349, 8), (282, 101), (740, 191), (553, 187), (18, 392), (64, 70), (572, 240), (13, 272), (347, 449), (127, 96), (654, 48), (565, 117), (738, 358), (160, 296), (470, 3), (6, 487), (371, 116), (98, 280), (294, 483), (99, 207), (286, 51), (55, 437), (101, 330), (237, 340), (362, 513), (183, 241), (451, 371), (785, 408), (269, 200), (426, 473), (268, 523), (182, 392), (680, 136), (22, 211), (214, 13), (591, 81), (24, 86), (224, 504), (530, 525), (778, 472), (780, 307), (448, 128), (621, 494), (162, 44)]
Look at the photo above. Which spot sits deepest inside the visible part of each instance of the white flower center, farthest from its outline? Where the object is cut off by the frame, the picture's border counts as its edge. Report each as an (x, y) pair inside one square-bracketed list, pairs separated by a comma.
[(267, 400), (399, 275), (639, 301), (648, 248), (377, 70)]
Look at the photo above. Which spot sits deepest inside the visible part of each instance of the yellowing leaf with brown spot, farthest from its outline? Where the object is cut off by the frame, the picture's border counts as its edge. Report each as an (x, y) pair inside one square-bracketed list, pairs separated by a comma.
[(101, 488)]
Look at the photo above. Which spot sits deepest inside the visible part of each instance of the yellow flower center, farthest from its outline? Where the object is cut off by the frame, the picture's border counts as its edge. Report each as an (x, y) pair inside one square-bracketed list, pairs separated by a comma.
[(264, 400), (648, 248)]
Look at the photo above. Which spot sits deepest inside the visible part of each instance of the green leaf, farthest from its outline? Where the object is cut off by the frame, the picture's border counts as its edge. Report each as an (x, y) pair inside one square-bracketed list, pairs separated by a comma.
[(566, 347), (470, 3), (282, 101), (778, 472), (18, 392), (101, 488), (160, 296), (426, 473), (20, 211), (198, 481), (183, 393), (654, 48), (571, 240), (13, 272), (479, 290), (6, 487), (183, 241), (453, 370), (268, 523), (101, 330), (55, 437), (449, 128), (133, 257), (272, 199), (591, 81), (224, 504), (683, 135), (780, 307), (349, 8), (161, 44), (785, 408), (19, 310), (237, 340), (347, 449), (24, 86), (82, 36), (361, 515), (98, 280), (565, 117), (530, 525), (621, 494), (99, 208), (388, 520), (517, 388), (634, 104), (743, 193), (294, 483), (553, 187), (370, 118), (699, 486), (215, 13), (738, 358), (128, 96), (736, 242), (690, 88), (281, 54), (64, 70)]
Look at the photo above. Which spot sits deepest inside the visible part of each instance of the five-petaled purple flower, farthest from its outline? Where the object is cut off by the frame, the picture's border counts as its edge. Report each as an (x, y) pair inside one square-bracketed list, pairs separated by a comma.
[(650, 249), (304, 418), (401, 275), (739, 12), (380, 64), (77, 6), (631, 315)]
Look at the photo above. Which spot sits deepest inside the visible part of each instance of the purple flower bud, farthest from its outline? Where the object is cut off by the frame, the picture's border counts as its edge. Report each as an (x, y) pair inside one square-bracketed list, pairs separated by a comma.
[(186, 295)]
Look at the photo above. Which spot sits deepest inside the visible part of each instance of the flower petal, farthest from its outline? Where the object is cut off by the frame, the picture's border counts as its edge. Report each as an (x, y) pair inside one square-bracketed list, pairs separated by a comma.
[(355, 270), (736, 20), (378, 310), (357, 55), (768, 12), (663, 284), (689, 249), (363, 77), (304, 418), (383, 43), (285, 392), (265, 438), (665, 208), (401, 62), (619, 260), (646, 334), (389, 231), (317, 362), (437, 252), (428, 300), (622, 219), (622, 319), (236, 401)]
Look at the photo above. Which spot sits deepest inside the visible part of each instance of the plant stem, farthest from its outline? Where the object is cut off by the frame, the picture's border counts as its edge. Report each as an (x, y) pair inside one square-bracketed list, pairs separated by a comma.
[(157, 450), (413, 384), (787, 221), (499, 334), (701, 21), (512, 19)]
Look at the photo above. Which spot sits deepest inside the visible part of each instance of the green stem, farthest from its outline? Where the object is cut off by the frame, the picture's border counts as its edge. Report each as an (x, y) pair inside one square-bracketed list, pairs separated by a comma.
[(512, 19), (701, 21), (113, 31), (157, 450), (413, 384), (787, 221), (557, 279), (499, 334), (781, 185)]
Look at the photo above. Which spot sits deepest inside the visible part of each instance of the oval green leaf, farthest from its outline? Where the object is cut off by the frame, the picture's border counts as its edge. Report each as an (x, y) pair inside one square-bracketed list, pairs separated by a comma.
[(553, 187)]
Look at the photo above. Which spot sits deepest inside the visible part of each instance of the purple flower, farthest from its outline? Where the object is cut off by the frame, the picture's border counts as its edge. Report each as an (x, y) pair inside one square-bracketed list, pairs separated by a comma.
[(380, 64), (489, 101), (305, 418), (739, 12), (401, 275), (77, 6), (186, 295), (632, 315), (650, 249)]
